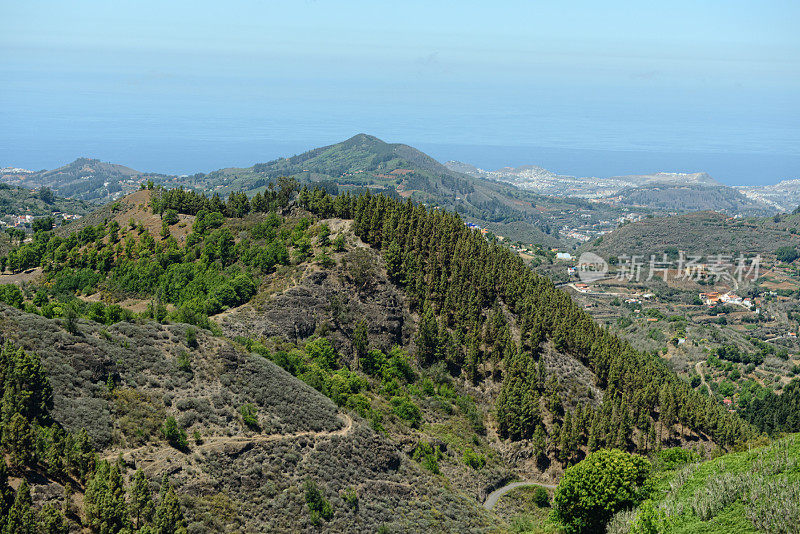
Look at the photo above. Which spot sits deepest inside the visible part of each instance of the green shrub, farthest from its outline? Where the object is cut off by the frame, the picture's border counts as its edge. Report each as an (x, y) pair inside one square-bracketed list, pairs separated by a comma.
[(249, 415), (594, 489), (403, 408), (350, 497), (174, 434), (184, 363), (473, 459), (541, 498), (191, 337), (171, 217), (318, 506), (649, 520), (428, 456)]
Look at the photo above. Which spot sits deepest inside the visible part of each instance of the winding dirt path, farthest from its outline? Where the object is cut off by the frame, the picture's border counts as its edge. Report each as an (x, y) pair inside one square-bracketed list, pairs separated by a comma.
[(699, 368), (494, 496), (216, 442)]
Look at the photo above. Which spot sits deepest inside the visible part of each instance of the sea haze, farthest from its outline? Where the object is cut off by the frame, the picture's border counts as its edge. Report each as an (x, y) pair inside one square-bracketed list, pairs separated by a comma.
[(199, 123)]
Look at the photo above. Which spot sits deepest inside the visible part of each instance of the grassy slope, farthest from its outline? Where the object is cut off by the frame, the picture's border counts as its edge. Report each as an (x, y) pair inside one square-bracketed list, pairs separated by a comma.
[(751, 491)]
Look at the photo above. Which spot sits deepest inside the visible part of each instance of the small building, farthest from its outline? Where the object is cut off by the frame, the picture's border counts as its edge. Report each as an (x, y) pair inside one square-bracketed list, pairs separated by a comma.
[(731, 298), (563, 256), (710, 298)]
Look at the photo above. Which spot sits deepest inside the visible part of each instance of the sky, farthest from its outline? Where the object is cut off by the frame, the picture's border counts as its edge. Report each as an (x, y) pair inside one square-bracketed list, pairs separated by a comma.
[(585, 88)]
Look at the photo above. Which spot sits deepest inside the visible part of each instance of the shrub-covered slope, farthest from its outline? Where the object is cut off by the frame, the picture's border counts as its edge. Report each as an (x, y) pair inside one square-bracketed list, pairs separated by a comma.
[(121, 382)]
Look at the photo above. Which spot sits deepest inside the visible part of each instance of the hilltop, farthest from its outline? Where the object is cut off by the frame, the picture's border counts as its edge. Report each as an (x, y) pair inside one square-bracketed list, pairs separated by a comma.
[(365, 162), (85, 179), (704, 232), (691, 196)]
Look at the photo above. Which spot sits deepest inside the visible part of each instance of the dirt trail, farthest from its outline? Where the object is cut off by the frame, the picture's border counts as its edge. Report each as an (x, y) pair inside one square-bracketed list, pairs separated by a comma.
[(699, 368), (217, 442)]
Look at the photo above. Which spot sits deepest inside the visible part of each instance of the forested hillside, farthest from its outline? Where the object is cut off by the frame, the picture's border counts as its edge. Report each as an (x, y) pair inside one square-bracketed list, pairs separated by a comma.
[(39, 203), (299, 361), (683, 198), (704, 233)]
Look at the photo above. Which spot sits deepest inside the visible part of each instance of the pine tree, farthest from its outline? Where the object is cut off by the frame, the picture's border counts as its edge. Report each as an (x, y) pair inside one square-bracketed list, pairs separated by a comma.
[(21, 519), (540, 441), (51, 521), (106, 509), (394, 262), (360, 339), (141, 502), (6, 493), (169, 517), (427, 337), (18, 440)]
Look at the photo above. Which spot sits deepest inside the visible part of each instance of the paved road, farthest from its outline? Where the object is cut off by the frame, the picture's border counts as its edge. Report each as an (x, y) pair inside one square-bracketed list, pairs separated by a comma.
[(494, 496)]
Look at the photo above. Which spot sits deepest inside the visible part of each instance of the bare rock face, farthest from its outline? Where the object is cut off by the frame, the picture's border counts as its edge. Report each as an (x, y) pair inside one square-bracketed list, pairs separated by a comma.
[(330, 302)]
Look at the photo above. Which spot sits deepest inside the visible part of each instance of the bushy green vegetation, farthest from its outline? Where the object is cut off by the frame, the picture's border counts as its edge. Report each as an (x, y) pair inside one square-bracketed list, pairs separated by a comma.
[(174, 434), (209, 273), (593, 490), (753, 491), (319, 508)]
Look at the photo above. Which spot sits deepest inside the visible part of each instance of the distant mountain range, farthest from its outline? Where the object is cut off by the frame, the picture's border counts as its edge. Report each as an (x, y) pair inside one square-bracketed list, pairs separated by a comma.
[(527, 203), (672, 191)]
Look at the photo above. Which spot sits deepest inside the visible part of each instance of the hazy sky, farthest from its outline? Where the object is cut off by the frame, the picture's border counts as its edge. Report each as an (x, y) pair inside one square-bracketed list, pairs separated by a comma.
[(184, 85)]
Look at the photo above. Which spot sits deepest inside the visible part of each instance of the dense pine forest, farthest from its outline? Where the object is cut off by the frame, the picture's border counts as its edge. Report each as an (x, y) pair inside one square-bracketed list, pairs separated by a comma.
[(559, 383), (468, 291)]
